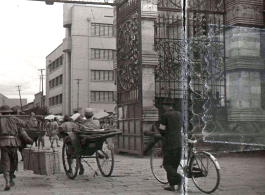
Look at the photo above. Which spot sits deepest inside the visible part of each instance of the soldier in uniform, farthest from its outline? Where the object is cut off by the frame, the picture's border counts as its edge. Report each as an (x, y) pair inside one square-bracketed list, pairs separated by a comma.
[(9, 142)]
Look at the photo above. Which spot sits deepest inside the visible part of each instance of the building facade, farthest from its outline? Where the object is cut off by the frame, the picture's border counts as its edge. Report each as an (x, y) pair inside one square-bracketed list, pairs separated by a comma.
[(12, 102), (38, 102), (79, 72)]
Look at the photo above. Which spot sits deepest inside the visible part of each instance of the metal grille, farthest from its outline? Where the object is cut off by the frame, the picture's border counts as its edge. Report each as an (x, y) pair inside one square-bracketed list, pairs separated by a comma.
[(129, 76), (191, 68), (168, 46), (202, 15)]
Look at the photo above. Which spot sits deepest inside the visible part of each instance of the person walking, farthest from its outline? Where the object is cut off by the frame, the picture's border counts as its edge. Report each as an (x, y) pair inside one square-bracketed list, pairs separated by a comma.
[(10, 127), (170, 129), (54, 131)]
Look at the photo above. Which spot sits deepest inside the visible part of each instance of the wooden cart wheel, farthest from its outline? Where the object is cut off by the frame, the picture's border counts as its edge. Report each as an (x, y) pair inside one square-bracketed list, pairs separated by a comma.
[(105, 160), (70, 159)]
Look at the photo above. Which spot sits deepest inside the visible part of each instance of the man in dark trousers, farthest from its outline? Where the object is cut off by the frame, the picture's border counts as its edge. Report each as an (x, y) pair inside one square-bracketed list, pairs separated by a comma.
[(9, 142), (170, 129)]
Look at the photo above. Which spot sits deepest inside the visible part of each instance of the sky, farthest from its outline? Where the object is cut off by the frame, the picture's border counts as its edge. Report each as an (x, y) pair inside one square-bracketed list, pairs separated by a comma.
[(29, 32)]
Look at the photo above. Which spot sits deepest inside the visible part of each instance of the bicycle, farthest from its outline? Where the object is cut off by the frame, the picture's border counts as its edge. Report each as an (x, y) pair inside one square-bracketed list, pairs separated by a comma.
[(202, 167)]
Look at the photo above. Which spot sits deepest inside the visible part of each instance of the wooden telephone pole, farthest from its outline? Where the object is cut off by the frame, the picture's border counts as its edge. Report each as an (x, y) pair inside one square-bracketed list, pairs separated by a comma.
[(41, 86), (20, 97)]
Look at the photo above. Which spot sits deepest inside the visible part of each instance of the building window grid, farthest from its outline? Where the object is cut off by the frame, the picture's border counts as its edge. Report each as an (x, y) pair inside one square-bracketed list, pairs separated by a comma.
[(103, 54), (102, 75), (56, 100), (102, 29), (56, 81), (102, 96)]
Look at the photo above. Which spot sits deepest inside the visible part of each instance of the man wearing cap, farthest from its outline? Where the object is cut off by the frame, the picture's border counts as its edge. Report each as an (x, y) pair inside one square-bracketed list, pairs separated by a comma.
[(170, 129), (90, 124), (10, 127)]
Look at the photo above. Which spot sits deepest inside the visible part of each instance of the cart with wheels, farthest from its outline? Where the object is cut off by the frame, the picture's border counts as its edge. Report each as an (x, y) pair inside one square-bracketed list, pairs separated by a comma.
[(89, 144)]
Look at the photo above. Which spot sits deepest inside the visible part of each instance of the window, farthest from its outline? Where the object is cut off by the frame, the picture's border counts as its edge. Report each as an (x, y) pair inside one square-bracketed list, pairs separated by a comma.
[(102, 96), (94, 29), (104, 54), (102, 75), (61, 79), (97, 56), (61, 60), (102, 29), (61, 98)]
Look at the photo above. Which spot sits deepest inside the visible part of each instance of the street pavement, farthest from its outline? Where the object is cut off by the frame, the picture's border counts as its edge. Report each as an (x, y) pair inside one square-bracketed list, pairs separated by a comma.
[(241, 174)]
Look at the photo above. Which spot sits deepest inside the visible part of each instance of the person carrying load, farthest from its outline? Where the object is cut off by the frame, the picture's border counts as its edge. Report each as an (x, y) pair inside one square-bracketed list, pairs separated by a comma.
[(10, 129)]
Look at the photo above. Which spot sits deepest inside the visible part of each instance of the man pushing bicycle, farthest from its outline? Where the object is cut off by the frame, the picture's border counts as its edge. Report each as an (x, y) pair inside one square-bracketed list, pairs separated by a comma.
[(170, 129)]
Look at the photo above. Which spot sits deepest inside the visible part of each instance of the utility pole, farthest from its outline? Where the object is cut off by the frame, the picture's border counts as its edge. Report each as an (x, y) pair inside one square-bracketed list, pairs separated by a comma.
[(20, 97), (41, 86), (78, 93)]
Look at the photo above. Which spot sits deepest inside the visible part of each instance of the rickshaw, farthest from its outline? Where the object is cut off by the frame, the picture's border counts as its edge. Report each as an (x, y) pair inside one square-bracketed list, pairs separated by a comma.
[(79, 145)]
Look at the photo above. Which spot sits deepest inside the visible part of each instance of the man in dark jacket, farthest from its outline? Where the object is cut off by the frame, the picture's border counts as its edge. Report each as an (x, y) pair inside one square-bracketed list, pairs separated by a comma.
[(9, 142), (170, 129)]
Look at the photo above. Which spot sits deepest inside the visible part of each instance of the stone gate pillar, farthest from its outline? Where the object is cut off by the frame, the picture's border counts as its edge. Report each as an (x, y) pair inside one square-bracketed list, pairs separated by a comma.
[(149, 63), (244, 66)]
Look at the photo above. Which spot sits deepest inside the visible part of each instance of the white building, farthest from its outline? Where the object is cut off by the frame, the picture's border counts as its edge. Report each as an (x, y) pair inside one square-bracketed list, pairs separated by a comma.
[(85, 57)]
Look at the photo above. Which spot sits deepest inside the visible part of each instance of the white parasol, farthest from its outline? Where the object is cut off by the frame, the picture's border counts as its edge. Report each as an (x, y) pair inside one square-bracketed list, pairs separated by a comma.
[(50, 117)]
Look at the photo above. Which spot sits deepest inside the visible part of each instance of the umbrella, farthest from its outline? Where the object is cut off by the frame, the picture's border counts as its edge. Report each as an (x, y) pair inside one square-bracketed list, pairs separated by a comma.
[(49, 117), (101, 114)]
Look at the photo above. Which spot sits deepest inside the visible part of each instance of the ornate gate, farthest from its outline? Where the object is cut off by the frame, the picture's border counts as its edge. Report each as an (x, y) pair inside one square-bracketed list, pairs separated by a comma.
[(191, 56), (129, 70)]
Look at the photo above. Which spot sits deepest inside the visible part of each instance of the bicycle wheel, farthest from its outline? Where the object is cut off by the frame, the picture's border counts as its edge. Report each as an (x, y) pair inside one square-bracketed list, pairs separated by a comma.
[(105, 160), (70, 159), (156, 162), (205, 172)]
